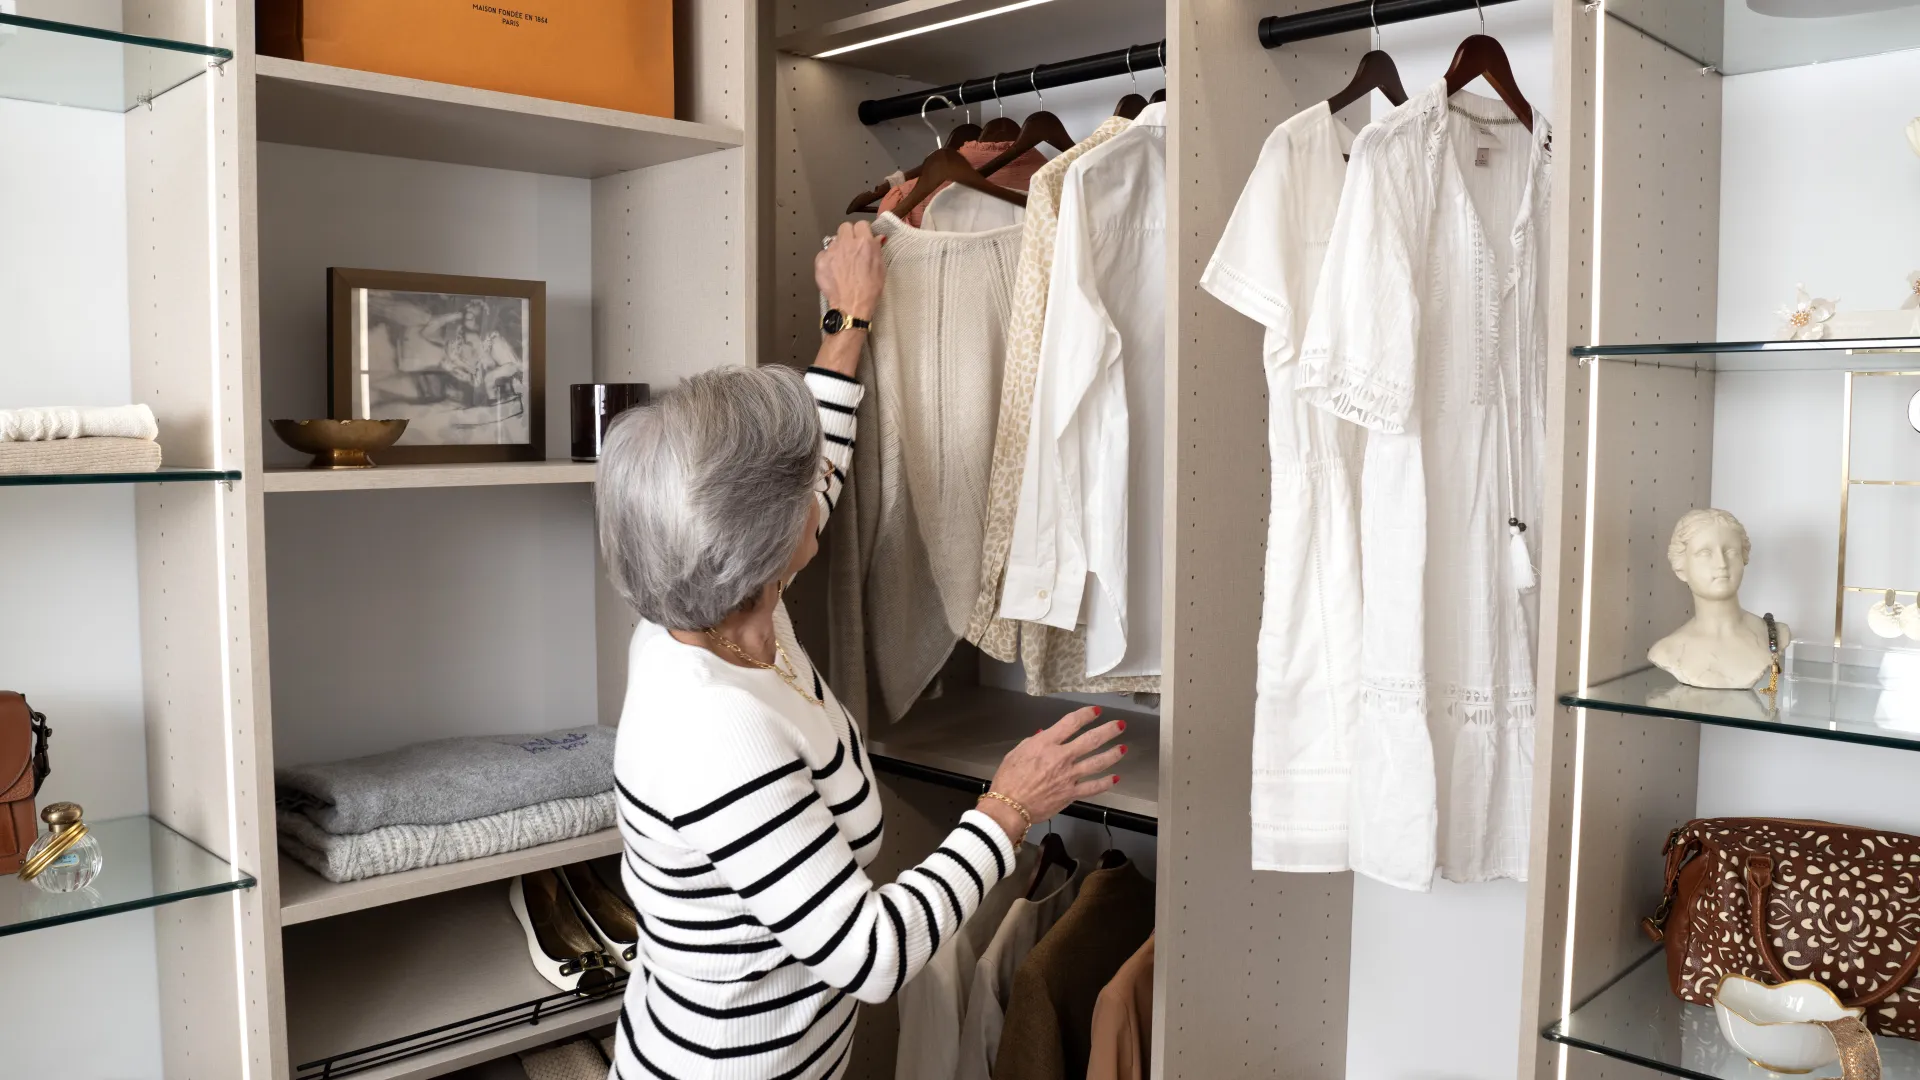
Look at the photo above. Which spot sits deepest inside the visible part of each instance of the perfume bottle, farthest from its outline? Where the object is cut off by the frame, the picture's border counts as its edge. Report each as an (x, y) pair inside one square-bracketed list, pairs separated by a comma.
[(66, 858)]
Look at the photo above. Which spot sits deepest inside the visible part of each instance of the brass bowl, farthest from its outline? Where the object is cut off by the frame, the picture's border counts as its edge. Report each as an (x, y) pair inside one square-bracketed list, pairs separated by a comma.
[(339, 444)]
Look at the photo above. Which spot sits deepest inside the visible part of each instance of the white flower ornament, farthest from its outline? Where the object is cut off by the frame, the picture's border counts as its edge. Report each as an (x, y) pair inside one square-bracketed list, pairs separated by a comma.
[(1807, 318), (1913, 291)]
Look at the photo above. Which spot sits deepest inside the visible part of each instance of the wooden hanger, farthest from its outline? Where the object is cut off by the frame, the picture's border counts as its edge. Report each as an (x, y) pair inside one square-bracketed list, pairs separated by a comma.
[(1053, 852), (1131, 104), (1040, 127), (868, 202), (1377, 71), (1482, 57), (947, 166), (1002, 127)]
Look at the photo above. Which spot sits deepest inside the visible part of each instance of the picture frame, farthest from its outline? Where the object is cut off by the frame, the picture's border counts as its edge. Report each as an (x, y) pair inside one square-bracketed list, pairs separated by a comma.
[(462, 359)]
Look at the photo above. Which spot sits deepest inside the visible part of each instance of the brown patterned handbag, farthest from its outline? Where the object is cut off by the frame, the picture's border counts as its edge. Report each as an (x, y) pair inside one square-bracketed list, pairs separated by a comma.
[(1777, 900), (23, 768)]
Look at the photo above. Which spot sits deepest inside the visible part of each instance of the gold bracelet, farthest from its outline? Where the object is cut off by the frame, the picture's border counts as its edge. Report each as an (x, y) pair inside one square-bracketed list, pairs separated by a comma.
[(1017, 808)]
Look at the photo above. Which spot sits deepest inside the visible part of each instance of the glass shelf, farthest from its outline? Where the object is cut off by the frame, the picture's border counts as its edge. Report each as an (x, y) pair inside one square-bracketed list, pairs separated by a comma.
[(1835, 354), (58, 63), (143, 864), (1638, 1019), (1741, 36), (161, 475), (1808, 707)]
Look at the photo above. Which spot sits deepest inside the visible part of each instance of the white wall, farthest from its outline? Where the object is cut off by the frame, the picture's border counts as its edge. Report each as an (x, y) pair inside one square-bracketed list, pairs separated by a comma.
[(69, 579), (1819, 187), (352, 574), (1397, 1027)]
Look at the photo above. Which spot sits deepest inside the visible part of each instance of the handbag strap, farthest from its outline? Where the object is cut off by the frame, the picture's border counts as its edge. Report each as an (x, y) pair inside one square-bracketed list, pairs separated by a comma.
[(42, 731), (1759, 880)]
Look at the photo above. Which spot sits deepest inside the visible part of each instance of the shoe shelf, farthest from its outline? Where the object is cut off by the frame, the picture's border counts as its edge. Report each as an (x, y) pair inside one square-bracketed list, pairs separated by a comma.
[(1637, 1019), (369, 113), (1839, 712), (163, 475), (143, 864), (389, 477), (959, 738), (56, 63), (421, 988), (306, 896)]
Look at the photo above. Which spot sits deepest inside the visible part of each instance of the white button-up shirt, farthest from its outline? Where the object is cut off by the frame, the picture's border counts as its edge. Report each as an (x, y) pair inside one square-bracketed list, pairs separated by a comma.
[(1086, 534)]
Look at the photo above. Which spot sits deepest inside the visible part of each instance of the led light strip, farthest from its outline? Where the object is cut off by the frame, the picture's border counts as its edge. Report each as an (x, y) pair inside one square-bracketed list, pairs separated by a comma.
[(929, 28), (1593, 473), (220, 547)]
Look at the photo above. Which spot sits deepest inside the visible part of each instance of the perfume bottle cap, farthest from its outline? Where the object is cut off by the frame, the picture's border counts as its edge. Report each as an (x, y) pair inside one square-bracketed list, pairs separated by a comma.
[(61, 815)]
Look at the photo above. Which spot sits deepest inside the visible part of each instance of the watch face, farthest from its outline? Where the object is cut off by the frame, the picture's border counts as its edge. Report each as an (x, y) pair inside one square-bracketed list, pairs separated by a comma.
[(833, 322)]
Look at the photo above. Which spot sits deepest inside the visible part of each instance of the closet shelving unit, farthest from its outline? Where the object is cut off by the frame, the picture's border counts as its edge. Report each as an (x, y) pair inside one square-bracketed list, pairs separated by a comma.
[(1631, 414), (410, 975), (1251, 972), (181, 859)]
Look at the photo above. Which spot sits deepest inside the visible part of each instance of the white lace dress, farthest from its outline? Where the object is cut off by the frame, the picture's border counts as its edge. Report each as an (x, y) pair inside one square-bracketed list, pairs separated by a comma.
[(1429, 329)]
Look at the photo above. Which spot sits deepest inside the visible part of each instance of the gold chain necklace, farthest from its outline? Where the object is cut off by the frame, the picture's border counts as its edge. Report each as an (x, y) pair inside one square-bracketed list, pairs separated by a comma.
[(790, 675)]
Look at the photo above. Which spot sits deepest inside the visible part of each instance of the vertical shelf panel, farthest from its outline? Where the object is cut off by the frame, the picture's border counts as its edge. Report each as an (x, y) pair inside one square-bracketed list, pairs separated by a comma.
[(1251, 972)]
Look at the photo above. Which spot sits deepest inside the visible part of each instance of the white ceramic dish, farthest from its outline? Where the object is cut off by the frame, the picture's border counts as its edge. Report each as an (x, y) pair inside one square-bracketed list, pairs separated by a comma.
[(1774, 1025)]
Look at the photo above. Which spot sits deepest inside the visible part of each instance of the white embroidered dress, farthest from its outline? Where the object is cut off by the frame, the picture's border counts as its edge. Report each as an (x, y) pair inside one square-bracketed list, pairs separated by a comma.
[(1429, 329), (1308, 681)]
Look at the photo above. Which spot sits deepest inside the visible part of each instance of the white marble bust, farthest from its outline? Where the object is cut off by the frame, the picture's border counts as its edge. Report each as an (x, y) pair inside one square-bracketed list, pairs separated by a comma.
[(1722, 647)]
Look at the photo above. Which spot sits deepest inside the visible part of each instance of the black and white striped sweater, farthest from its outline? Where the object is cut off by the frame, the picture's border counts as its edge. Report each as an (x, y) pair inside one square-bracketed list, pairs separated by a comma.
[(749, 815)]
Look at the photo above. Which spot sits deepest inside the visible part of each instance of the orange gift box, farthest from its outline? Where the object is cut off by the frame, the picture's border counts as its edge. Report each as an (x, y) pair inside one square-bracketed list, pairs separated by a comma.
[(616, 54)]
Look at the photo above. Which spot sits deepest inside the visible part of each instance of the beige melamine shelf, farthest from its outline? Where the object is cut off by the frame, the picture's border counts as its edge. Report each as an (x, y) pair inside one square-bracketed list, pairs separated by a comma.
[(370, 113), (306, 896), (491, 474), (399, 971), (1016, 39), (968, 730)]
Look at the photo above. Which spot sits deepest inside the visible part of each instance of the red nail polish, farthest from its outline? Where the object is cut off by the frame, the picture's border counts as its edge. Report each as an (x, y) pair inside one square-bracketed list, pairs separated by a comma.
[(1122, 723), (1116, 779), (1096, 712), (1123, 748)]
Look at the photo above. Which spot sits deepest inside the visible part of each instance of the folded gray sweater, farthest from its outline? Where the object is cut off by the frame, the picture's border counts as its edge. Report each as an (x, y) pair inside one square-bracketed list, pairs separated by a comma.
[(398, 848), (439, 783)]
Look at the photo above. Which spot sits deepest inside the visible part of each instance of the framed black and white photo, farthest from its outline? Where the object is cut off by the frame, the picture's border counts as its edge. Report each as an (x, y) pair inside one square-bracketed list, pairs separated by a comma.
[(461, 359)]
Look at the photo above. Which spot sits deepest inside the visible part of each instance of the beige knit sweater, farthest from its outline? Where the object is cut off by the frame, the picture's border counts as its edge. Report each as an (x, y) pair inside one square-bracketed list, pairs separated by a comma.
[(907, 537)]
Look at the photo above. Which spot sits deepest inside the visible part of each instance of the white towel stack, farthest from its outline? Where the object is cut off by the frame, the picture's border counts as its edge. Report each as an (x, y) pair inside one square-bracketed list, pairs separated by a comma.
[(66, 439)]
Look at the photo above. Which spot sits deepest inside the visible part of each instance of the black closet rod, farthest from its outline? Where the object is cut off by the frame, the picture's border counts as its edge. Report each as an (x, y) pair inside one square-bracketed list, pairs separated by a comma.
[(1113, 819), (1278, 30), (1044, 77)]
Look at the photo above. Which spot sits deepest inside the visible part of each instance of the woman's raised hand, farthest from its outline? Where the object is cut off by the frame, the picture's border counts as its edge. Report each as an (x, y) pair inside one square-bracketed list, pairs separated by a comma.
[(1056, 766)]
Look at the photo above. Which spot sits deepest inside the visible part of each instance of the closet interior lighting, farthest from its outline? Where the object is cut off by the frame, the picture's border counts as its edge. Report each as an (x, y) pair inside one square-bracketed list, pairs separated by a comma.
[(930, 28)]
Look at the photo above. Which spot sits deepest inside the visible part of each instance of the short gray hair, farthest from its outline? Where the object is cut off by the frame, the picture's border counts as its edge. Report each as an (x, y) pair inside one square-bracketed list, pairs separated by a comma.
[(703, 493), (1692, 522)]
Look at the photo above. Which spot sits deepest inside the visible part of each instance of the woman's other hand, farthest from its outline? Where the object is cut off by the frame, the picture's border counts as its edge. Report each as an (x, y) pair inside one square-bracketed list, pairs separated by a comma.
[(850, 272), (1054, 767)]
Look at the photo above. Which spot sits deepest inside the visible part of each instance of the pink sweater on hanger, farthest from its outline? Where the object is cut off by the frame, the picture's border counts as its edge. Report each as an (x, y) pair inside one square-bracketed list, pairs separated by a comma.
[(1015, 174)]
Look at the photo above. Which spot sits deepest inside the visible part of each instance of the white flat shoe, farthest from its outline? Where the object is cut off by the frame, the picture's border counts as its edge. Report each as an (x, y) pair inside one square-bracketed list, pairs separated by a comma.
[(562, 949), (604, 908)]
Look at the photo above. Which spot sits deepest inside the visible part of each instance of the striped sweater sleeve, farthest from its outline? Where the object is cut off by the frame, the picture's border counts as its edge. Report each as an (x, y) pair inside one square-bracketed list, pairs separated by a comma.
[(752, 809), (838, 399)]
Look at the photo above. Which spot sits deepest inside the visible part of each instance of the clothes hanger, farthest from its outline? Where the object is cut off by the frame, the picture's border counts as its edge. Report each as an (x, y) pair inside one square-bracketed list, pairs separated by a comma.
[(966, 132), (1113, 856), (868, 202), (1482, 57), (1132, 103), (1377, 71), (1053, 852), (1040, 127), (948, 166), (1002, 127), (1160, 95)]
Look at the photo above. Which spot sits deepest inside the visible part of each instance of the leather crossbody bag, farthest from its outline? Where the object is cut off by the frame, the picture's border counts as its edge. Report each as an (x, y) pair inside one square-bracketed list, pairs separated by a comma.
[(1777, 900), (23, 768)]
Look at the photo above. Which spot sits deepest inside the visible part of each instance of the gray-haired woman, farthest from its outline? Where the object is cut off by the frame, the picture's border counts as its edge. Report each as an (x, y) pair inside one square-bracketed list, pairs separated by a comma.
[(748, 802)]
